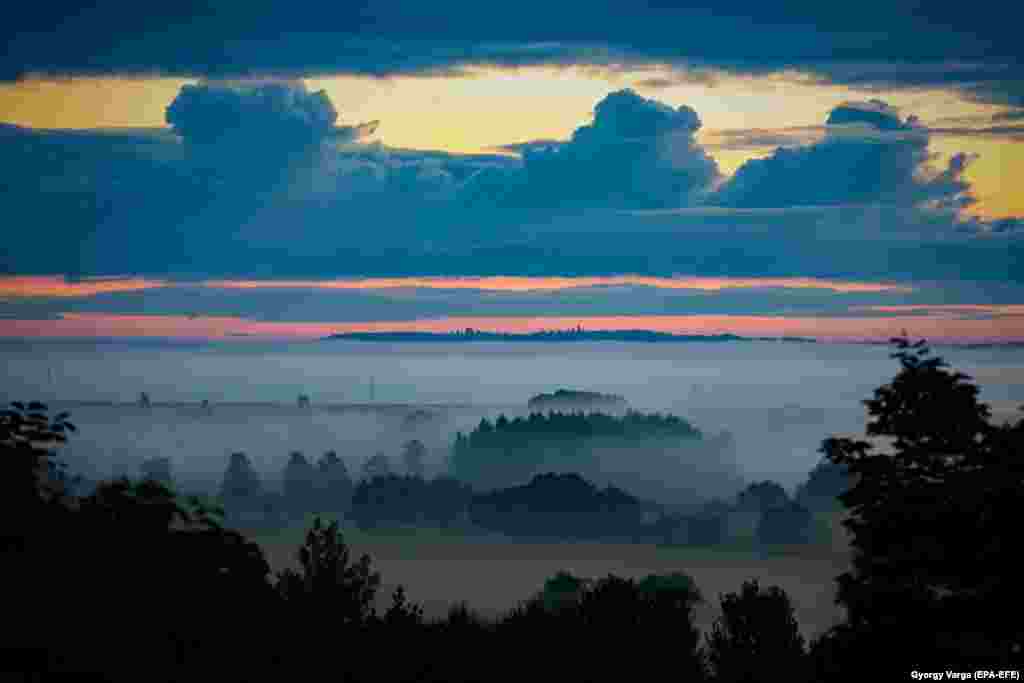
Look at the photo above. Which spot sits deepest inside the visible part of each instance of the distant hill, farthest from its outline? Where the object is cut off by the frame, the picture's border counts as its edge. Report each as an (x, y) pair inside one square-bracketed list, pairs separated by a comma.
[(572, 399), (576, 335)]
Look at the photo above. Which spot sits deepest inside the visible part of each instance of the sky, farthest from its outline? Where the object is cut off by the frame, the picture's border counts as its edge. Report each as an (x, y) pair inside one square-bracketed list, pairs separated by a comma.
[(286, 170)]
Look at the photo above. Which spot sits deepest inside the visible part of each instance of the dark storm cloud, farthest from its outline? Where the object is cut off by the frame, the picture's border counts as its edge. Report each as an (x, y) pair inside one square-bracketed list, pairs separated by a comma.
[(284, 112), (868, 44), (869, 155), (263, 131), (637, 152)]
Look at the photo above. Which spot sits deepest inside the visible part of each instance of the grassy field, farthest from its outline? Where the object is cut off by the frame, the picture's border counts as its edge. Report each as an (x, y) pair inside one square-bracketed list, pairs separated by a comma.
[(493, 573)]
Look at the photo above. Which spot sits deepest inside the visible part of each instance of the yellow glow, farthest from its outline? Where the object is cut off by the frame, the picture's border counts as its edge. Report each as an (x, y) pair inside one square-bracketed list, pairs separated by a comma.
[(469, 114), (995, 174), (88, 102)]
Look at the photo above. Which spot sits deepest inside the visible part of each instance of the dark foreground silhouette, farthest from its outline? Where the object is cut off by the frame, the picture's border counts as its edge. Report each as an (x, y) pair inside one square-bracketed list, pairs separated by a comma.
[(133, 582)]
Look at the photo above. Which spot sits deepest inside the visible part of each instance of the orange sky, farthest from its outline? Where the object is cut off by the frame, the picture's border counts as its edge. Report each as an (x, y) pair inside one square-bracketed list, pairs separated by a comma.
[(56, 286), (506, 283)]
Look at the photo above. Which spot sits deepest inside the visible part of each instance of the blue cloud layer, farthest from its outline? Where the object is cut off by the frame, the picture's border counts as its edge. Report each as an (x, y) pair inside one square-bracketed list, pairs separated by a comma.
[(868, 44), (860, 203)]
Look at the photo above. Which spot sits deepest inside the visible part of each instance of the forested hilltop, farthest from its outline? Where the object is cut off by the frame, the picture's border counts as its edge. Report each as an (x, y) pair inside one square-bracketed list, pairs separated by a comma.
[(623, 450), (571, 400)]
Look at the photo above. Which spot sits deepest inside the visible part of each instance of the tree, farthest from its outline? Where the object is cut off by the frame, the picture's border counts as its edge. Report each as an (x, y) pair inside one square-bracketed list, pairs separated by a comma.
[(377, 466), (790, 523), (756, 638), (159, 470), (329, 580), (825, 483), (34, 485), (563, 590), (762, 496), (932, 519), (334, 484), (299, 484), (240, 479), (413, 455), (241, 491), (402, 614)]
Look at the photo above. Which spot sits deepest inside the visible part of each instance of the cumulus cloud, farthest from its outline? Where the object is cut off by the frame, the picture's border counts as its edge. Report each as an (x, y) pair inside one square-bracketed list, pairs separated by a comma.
[(637, 152), (247, 127), (210, 113), (869, 155)]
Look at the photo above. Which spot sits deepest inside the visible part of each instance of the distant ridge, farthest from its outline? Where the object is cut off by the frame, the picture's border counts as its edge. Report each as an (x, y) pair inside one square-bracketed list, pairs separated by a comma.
[(577, 335)]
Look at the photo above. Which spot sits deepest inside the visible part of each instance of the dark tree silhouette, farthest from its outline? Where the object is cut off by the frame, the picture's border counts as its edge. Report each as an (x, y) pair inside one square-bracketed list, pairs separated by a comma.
[(560, 505), (932, 518), (242, 492), (377, 466), (825, 483), (159, 470), (762, 496), (34, 484), (329, 581), (334, 485), (789, 523), (413, 455), (511, 451), (405, 501), (757, 638), (299, 484), (240, 479)]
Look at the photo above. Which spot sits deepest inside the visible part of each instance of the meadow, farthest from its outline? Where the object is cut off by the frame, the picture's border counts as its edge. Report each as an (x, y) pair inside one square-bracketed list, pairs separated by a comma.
[(492, 573)]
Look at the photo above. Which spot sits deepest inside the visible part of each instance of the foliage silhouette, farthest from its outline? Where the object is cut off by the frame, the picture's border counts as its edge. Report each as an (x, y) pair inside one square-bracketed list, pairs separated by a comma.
[(825, 483), (299, 485), (511, 451), (334, 486), (413, 455), (785, 524), (932, 522), (762, 496), (377, 466), (158, 469), (559, 505), (757, 638), (329, 579), (34, 484)]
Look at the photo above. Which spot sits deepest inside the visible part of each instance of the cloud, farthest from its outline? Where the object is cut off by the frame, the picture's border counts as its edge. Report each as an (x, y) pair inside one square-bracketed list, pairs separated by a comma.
[(515, 283), (256, 129), (637, 152), (92, 202), (286, 112), (1007, 228), (869, 155), (744, 139), (1011, 115), (30, 287), (872, 44)]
